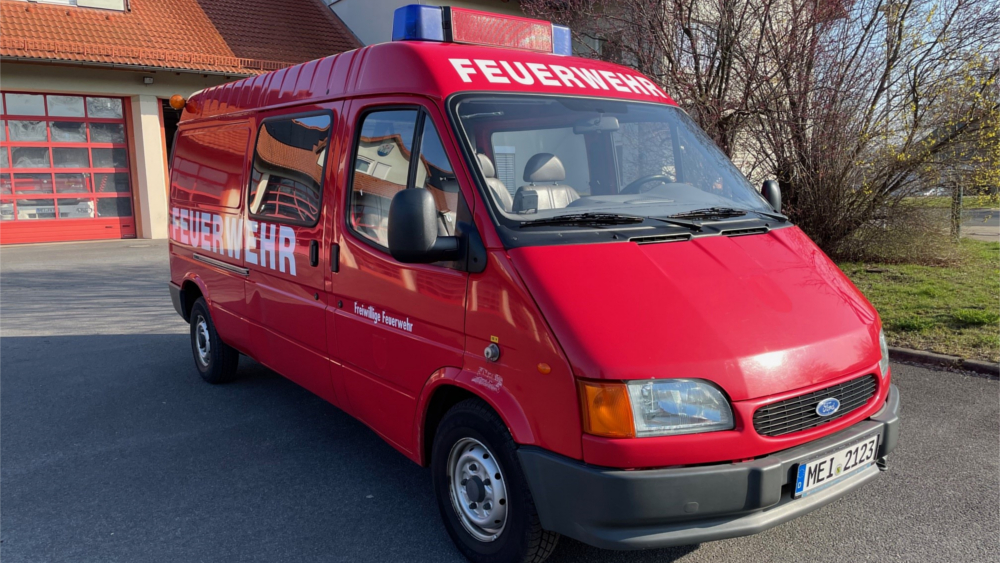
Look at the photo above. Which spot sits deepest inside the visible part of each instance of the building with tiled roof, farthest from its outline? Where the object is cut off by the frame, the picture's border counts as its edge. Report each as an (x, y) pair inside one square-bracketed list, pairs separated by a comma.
[(85, 128)]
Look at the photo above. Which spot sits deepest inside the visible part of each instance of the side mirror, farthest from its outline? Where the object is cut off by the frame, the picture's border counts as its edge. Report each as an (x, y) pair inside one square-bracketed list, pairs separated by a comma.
[(772, 193), (413, 230)]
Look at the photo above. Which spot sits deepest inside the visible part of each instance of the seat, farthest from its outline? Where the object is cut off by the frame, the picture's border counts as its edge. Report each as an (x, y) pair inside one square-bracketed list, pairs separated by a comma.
[(500, 193), (544, 167)]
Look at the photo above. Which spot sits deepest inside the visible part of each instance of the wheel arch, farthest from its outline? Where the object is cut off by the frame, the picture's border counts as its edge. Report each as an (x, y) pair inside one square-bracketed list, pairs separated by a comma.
[(450, 386), (191, 289)]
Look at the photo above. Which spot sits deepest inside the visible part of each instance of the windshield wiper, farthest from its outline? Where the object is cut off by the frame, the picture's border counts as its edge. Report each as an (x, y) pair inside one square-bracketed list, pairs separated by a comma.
[(693, 225), (726, 212), (775, 216), (720, 212), (585, 219)]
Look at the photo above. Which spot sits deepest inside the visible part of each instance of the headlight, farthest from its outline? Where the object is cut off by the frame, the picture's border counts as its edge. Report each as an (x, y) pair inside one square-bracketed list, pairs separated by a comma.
[(662, 407), (883, 364), (655, 407)]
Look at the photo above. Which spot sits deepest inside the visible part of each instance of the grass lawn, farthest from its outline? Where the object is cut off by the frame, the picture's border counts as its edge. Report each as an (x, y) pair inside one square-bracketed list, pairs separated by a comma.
[(947, 309)]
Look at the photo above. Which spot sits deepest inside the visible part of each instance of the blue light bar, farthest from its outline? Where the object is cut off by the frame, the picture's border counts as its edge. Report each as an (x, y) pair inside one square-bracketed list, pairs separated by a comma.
[(460, 25), (417, 23), (562, 40)]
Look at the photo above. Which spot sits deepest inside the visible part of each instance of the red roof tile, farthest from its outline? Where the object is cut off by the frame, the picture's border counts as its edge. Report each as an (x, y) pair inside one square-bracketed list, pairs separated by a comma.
[(293, 30), (201, 35)]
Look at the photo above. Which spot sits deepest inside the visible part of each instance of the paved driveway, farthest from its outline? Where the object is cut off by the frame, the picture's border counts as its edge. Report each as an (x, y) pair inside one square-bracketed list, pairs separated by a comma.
[(114, 450), (981, 224)]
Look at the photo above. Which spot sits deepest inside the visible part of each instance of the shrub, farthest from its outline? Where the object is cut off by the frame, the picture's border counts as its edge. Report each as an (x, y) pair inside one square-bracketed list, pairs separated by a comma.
[(904, 235)]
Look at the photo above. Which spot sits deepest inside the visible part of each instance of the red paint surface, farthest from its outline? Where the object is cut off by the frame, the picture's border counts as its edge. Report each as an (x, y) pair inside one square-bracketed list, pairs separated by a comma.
[(757, 315), (765, 317)]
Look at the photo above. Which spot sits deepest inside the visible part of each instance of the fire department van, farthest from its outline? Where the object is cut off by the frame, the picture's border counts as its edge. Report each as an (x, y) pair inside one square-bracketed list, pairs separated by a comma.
[(534, 274)]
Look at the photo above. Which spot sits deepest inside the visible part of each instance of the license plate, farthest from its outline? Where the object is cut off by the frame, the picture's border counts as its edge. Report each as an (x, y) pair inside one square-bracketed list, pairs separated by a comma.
[(835, 466)]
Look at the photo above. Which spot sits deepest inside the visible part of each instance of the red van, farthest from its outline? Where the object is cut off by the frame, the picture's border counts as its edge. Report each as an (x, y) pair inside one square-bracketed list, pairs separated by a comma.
[(534, 274)]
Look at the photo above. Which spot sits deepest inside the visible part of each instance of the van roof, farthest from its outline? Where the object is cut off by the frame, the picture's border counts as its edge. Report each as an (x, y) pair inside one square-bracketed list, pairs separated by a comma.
[(431, 69)]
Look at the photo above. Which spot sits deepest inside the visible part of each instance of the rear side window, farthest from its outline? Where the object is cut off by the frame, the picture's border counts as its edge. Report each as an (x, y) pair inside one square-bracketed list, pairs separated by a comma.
[(383, 166), (287, 181), (208, 166)]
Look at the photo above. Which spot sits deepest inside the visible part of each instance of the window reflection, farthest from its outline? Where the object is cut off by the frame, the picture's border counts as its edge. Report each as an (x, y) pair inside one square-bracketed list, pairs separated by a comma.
[(68, 132), (382, 164), (287, 180), (65, 106)]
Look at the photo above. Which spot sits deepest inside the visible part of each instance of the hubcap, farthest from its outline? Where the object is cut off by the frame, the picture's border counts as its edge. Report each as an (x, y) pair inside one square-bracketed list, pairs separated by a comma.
[(202, 341), (478, 491)]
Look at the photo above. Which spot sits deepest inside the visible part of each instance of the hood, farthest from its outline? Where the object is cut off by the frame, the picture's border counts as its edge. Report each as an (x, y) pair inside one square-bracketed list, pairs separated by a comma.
[(757, 315)]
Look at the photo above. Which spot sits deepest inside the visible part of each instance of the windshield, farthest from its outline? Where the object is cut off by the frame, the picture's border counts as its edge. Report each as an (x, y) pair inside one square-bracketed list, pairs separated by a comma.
[(547, 156)]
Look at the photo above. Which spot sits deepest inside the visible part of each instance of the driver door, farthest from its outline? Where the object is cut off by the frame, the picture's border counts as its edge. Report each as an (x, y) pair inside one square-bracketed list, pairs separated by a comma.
[(396, 323)]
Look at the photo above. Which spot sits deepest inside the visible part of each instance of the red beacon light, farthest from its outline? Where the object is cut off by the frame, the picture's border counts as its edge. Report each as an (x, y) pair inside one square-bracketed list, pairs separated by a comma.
[(459, 25)]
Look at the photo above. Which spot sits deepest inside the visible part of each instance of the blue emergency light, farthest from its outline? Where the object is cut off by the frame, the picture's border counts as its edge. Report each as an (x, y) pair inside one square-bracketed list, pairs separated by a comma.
[(416, 22)]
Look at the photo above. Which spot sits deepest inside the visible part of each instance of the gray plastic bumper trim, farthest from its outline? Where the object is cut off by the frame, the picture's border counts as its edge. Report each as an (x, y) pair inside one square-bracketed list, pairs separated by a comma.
[(617, 509)]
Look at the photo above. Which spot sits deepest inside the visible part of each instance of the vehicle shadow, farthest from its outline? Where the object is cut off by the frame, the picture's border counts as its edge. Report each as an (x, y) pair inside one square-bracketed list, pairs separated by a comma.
[(571, 550)]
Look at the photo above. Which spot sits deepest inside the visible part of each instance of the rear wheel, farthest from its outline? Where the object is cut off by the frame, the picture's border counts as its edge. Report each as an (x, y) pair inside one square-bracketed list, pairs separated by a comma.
[(216, 361), (481, 490)]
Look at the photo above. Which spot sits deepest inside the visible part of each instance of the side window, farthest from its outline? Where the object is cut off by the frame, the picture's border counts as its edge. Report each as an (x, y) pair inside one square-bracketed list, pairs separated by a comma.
[(208, 166), (434, 173), (643, 149), (287, 181), (382, 167)]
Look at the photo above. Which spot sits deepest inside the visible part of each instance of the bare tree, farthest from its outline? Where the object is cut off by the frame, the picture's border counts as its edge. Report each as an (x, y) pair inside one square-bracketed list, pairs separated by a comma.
[(850, 104), (706, 54)]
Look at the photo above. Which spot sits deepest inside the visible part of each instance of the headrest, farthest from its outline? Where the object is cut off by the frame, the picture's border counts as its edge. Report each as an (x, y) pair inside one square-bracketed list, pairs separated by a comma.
[(487, 166), (544, 167)]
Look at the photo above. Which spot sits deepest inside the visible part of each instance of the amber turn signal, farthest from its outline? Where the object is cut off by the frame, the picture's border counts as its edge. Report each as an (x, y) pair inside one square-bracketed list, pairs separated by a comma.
[(177, 101), (606, 409)]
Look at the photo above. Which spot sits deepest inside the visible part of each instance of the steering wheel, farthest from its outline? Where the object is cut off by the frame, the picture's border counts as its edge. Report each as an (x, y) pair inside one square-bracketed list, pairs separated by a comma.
[(633, 186)]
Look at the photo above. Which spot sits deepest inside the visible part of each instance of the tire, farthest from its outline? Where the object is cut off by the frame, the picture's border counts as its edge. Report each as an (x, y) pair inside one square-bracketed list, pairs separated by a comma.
[(216, 361), (474, 441)]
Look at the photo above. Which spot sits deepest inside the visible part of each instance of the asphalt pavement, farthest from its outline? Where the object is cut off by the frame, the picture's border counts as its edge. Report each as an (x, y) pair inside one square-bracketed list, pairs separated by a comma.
[(113, 449)]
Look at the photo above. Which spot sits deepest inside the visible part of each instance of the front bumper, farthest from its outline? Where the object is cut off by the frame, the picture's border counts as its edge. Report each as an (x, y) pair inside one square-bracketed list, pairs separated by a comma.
[(641, 509)]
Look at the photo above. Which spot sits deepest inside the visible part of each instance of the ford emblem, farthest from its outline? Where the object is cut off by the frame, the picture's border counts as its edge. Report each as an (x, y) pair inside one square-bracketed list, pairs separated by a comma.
[(827, 406)]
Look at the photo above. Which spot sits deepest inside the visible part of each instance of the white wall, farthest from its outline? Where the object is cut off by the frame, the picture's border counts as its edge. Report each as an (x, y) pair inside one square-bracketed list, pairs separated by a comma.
[(112, 82), (147, 144), (371, 20), (150, 203)]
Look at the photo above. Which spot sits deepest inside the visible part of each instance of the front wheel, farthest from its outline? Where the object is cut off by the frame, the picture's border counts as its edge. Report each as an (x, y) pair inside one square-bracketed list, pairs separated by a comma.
[(216, 361), (481, 490)]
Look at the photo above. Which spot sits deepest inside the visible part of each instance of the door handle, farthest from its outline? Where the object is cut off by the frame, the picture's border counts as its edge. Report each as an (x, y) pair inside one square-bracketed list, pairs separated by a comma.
[(314, 253), (334, 257)]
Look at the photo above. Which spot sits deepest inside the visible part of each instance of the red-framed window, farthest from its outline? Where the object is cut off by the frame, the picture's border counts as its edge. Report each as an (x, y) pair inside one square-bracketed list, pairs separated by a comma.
[(64, 158)]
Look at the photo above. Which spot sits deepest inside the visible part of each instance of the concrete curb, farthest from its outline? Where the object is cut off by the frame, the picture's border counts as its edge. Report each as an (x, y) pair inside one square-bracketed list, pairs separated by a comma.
[(954, 362)]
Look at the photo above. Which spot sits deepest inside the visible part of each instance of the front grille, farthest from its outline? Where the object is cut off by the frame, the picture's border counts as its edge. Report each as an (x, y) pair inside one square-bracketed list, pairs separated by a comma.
[(799, 413)]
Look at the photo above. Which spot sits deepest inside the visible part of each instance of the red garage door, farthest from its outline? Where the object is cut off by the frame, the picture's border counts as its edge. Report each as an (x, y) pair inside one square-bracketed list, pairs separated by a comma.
[(65, 171)]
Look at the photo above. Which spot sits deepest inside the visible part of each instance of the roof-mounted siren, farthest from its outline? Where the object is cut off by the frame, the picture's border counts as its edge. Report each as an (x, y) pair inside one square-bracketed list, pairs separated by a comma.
[(458, 25)]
